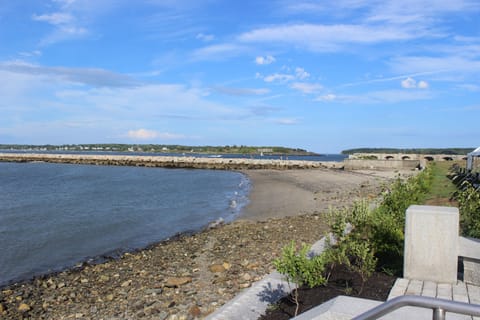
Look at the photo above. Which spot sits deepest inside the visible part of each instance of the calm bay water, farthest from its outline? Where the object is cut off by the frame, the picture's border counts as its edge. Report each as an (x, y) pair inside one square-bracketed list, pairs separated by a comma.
[(53, 216)]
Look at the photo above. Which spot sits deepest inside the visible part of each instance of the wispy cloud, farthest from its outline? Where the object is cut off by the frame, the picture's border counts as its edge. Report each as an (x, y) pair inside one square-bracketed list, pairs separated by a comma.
[(306, 88), (205, 37), (56, 18), (219, 51), (241, 91), (88, 76), (282, 77), (324, 38), (144, 134), (262, 60), (287, 121), (375, 97), (65, 24)]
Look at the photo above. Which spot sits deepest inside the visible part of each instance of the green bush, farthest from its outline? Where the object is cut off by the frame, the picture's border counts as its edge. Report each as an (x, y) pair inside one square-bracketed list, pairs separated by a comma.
[(299, 269), (469, 207)]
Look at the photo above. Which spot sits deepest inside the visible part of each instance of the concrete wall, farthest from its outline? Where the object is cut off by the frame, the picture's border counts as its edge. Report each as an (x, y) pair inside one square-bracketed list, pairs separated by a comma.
[(431, 244), (356, 164)]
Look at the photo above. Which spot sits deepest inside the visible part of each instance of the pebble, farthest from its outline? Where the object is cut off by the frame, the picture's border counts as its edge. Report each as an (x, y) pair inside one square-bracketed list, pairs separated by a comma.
[(177, 281), (23, 307), (217, 268)]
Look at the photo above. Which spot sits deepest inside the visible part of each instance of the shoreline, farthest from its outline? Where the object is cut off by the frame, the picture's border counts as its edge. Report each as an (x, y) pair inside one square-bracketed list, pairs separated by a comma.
[(278, 194), (189, 274)]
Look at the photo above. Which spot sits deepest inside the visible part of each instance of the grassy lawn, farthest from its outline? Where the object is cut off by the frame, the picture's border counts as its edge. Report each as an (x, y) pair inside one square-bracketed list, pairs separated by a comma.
[(442, 187)]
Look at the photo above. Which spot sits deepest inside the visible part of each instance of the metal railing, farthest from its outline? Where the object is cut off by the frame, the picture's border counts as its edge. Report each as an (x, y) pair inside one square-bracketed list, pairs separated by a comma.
[(439, 307)]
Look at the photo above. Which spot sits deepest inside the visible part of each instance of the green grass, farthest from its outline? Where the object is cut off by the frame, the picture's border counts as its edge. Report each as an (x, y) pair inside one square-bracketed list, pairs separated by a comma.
[(442, 187)]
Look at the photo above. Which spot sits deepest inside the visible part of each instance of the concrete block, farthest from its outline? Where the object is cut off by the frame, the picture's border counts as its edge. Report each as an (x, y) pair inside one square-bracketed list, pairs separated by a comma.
[(429, 289), (460, 292), (444, 291), (399, 288), (471, 271), (414, 288), (431, 243), (473, 293)]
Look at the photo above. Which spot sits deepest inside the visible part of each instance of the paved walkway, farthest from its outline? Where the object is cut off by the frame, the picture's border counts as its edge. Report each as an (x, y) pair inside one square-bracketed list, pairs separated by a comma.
[(461, 292)]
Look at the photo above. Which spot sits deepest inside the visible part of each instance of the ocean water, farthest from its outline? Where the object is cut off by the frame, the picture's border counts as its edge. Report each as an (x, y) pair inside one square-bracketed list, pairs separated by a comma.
[(53, 216)]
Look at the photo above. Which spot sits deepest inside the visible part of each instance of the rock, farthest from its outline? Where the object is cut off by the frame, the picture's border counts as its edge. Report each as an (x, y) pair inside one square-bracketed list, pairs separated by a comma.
[(195, 311), (246, 277), (104, 278), (154, 291), (177, 281), (126, 283), (217, 268), (109, 297), (23, 307), (227, 265), (1, 308)]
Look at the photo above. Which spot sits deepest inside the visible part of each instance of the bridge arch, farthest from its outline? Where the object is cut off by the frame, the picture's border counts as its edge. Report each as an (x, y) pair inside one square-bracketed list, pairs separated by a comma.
[(389, 157), (405, 158), (447, 158), (429, 158)]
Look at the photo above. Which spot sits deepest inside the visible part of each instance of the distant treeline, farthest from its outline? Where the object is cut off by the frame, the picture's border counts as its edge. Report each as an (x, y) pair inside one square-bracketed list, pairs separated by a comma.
[(451, 151), (158, 148)]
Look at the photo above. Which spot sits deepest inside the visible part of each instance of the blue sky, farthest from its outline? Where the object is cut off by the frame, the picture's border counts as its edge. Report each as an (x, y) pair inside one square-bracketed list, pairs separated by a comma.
[(319, 75)]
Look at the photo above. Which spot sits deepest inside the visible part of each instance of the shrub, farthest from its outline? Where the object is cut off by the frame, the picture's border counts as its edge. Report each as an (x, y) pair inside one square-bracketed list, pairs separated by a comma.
[(469, 206), (299, 269)]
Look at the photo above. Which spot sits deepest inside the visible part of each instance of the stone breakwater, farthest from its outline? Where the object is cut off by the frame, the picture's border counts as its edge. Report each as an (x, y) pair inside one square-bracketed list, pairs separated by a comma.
[(169, 161)]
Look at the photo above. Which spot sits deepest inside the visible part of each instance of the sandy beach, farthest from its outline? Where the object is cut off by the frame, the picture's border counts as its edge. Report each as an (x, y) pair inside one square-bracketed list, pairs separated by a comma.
[(192, 275), (277, 194)]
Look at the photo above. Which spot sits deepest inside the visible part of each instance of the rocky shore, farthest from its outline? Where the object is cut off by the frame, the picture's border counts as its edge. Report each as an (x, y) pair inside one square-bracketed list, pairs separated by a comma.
[(168, 161), (192, 275)]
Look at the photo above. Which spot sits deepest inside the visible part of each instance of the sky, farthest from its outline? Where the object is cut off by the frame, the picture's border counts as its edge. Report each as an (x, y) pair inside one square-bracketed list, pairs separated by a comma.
[(318, 75)]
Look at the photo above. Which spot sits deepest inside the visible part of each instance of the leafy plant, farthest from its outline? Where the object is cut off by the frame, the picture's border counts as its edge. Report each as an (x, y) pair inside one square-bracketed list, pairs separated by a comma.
[(299, 269)]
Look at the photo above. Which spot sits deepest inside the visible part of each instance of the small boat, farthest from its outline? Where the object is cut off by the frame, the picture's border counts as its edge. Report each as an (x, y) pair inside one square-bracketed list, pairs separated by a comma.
[(215, 156)]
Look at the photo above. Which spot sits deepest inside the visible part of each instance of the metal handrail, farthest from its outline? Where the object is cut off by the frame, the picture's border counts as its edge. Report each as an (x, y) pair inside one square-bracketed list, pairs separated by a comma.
[(438, 306)]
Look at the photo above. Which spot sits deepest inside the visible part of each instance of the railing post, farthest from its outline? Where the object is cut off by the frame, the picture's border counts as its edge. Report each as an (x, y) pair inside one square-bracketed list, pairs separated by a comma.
[(438, 314)]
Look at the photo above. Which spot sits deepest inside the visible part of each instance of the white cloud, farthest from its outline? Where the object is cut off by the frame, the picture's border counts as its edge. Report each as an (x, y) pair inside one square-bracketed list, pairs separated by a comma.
[(423, 84), (301, 74), (324, 38), (144, 134), (447, 64), (55, 18), (282, 77), (327, 97), (205, 37), (306, 87), (218, 51), (410, 83), (287, 121), (241, 91), (260, 60)]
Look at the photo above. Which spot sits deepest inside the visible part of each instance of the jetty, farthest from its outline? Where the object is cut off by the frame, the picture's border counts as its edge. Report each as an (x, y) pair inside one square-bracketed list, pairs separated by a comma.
[(169, 161)]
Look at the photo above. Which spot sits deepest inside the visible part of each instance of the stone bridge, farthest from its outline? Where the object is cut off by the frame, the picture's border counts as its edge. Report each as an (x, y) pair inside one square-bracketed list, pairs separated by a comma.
[(408, 156)]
